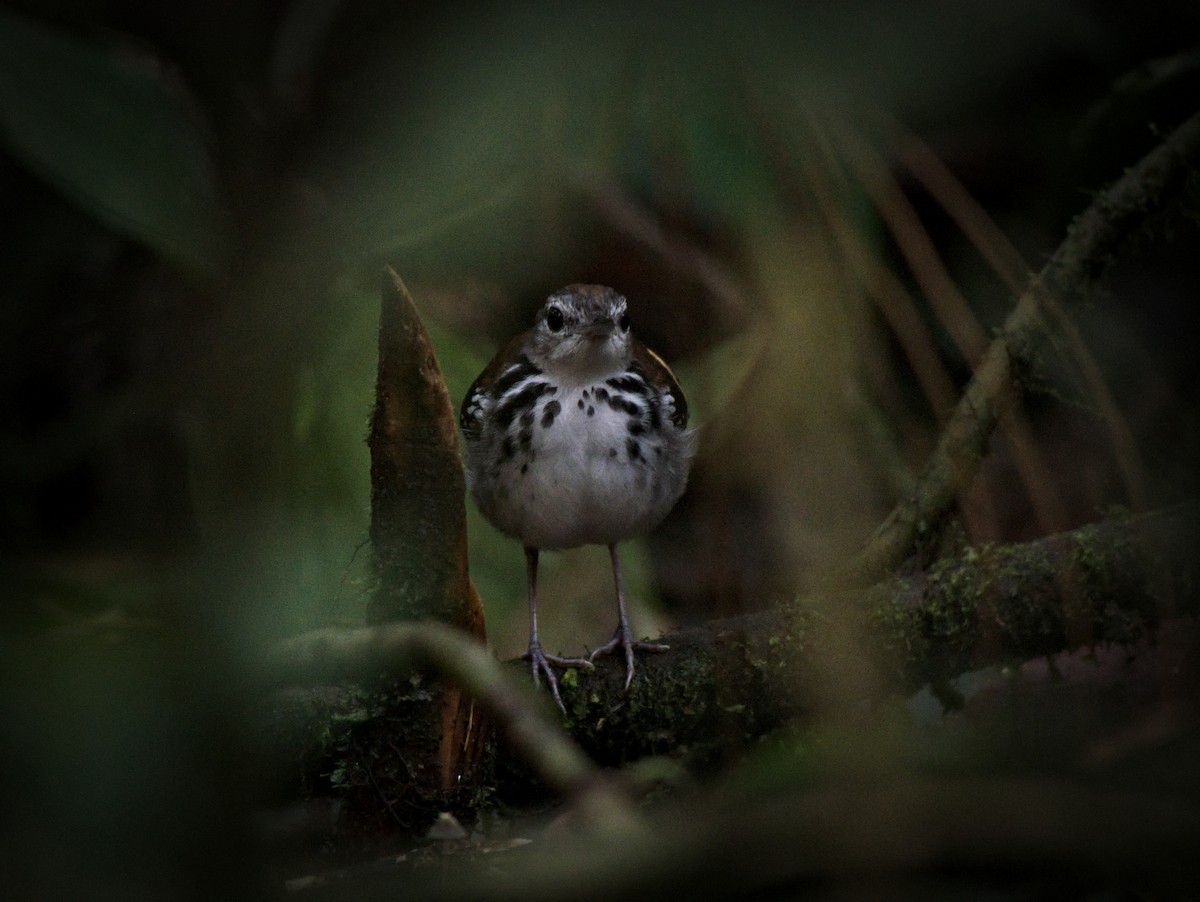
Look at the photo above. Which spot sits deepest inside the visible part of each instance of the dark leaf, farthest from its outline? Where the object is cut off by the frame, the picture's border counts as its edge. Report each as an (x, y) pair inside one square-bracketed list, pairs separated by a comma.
[(116, 133)]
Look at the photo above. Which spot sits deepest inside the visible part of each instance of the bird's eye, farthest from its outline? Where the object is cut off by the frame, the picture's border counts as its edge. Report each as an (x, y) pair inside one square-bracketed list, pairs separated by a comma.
[(623, 322), (554, 319)]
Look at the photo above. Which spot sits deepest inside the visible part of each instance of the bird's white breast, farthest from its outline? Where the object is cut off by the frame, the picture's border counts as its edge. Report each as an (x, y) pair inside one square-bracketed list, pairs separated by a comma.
[(585, 468)]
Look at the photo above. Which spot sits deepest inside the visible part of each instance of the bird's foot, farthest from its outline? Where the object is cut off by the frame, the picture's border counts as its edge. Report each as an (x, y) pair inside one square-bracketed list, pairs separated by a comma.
[(623, 639), (540, 662)]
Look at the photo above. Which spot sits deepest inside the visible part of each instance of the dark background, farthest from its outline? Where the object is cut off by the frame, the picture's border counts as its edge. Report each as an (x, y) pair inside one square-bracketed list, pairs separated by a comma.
[(199, 199)]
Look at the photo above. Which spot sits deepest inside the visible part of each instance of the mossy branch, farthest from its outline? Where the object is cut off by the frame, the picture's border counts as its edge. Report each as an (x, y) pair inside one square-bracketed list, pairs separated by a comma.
[(340, 655), (1115, 216), (1107, 582), (1111, 581)]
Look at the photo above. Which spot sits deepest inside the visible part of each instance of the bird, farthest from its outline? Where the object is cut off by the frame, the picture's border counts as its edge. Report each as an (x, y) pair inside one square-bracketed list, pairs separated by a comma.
[(577, 434)]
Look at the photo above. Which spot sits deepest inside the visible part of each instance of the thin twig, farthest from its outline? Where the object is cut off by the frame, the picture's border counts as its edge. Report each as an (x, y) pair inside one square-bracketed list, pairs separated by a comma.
[(892, 299), (1006, 261), (1091, 243), (951, 308), (681, 255)]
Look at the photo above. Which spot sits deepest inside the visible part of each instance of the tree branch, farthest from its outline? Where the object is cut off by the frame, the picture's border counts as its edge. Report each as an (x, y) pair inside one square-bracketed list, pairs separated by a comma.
[(1110, 581), (1116, 214), (1107, 582), (339, 655)]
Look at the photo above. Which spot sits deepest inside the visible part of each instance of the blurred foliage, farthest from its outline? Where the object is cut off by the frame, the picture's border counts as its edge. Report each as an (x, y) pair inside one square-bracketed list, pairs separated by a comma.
[(112, 130), (199, 199)]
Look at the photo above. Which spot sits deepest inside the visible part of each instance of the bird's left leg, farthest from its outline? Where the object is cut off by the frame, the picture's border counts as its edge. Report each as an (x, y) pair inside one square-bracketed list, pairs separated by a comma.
[(623, 638)]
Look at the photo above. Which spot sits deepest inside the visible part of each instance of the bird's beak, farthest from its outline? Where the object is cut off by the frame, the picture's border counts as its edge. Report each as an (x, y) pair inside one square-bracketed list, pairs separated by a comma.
[(599, 330)]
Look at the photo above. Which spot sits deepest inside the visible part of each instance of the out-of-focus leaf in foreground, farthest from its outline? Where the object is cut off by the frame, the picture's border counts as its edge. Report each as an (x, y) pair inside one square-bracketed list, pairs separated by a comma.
[(117, 134)]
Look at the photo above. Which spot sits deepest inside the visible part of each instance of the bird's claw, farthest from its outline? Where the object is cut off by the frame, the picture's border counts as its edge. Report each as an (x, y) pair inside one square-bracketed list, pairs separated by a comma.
[(623, 638), (539, 662)]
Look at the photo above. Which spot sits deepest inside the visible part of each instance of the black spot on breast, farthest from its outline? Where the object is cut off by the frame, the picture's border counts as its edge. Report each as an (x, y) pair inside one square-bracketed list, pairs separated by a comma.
[(612, 452), (506, 448), (623, 405), (633, 448), (549, 412), (583, 396), (579, 403), (591, 411), (655, 419), (636, 428), (527, 419), (601, 394), (525, 438), (525, 467)]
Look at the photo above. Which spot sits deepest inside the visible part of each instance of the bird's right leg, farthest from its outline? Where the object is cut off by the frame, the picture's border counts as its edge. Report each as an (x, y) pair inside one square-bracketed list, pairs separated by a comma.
[(539, 661)]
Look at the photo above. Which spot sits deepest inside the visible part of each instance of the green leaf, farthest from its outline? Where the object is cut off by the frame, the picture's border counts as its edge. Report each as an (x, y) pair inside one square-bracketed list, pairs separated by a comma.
[(113, 131)]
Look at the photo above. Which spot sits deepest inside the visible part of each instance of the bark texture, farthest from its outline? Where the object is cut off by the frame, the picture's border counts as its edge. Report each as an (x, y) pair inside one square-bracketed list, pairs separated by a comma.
[(731, 681), (419, 542)]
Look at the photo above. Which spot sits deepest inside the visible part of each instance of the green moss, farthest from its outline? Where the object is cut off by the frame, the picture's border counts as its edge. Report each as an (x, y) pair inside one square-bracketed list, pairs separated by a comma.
[(1093, 557), (990, 602), (1015, 602), (669, 706), (1026, 610), (1099, 561), (384, 756)]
